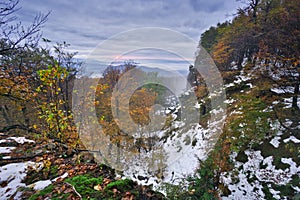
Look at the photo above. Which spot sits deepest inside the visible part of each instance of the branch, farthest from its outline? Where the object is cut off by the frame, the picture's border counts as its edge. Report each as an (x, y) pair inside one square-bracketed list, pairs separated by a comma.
[(19, 126), (74, 190)]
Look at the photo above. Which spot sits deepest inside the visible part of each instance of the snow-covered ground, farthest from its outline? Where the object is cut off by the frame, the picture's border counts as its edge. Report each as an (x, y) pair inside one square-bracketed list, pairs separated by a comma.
[(11, 175), (247, 182)]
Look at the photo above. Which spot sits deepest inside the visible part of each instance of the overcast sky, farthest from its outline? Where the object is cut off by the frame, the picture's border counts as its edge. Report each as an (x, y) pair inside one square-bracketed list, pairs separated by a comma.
[(85, 24)]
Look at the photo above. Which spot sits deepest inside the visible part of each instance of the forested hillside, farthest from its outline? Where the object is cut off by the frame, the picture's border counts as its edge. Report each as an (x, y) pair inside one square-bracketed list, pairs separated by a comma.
[(257, 152), (258, 53)]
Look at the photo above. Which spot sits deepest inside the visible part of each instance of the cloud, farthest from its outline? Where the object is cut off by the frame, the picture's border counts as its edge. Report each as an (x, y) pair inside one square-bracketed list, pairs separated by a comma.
[(85, 24)]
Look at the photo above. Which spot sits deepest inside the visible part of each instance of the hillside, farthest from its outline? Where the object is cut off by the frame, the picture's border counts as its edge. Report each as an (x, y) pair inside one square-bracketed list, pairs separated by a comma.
[(231, 131)]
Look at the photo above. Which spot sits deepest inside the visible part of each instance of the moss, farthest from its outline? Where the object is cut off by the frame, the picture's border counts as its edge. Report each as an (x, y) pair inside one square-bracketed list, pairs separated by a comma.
[(84, 185), (174, 191), (295, 180), (268, 194), (121, 185), (285, 190), (53, 171), (277, 153), (251, 125), (242, 157), (43, 192)]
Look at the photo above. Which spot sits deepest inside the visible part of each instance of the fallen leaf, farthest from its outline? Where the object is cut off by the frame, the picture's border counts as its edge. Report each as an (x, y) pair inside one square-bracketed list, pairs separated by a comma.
[(98, 187)]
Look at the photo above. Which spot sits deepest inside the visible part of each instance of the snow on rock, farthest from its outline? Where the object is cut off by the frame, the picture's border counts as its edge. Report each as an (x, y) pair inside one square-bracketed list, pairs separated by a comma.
[(243, 189), (217, 111), (11, 175)]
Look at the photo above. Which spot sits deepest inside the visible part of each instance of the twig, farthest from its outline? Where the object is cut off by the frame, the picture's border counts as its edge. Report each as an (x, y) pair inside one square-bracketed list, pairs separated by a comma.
[(74, 190)]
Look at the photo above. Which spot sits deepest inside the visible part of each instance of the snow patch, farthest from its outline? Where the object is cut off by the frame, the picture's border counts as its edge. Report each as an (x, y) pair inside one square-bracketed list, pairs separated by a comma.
[(12, 175), (275, 141), (291, 138), (40, 185), (229, 85), (229, 101), (244, 188), (250, 85), (288, 102), (20, 140), (6, 149), (283, 90)]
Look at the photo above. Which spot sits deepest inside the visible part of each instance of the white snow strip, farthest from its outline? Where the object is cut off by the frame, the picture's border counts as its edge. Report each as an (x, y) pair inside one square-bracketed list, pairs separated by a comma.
[(216, 111), (6, 157), (229, 101), (236, 112), (296, 188), (291, 138), (6, 149), (40, 185), (65, 175), (283, 90), (20, 140), (229, 85)]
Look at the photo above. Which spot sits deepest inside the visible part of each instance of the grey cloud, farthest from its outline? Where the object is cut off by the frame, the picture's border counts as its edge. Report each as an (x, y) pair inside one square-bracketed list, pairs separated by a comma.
[(84, 24)]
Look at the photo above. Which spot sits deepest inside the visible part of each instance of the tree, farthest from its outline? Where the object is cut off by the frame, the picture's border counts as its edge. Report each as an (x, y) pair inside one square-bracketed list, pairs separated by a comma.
[(279, 43), (18, 49), (13, 34), (267, 33)]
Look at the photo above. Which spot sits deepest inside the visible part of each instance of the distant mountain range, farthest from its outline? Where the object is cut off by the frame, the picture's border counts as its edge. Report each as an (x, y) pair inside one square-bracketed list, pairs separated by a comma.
[(164, 72)]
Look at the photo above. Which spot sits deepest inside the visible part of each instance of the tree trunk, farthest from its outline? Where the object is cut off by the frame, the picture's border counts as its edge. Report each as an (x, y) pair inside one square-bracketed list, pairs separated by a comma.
[(295, 97)]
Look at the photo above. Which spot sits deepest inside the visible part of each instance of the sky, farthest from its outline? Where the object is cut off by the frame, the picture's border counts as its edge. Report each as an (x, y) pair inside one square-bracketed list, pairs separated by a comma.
[(85, 25)]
